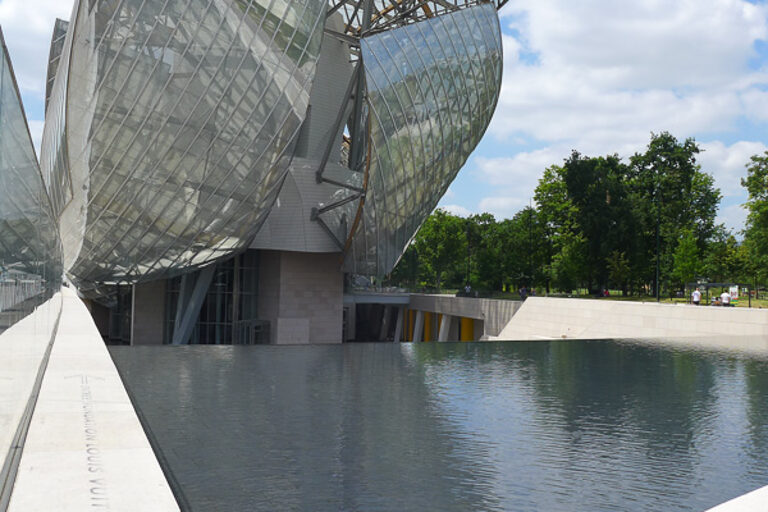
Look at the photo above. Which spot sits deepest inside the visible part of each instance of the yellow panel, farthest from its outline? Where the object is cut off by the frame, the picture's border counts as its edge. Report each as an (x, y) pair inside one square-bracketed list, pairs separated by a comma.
[(467, 329), (427, 326)]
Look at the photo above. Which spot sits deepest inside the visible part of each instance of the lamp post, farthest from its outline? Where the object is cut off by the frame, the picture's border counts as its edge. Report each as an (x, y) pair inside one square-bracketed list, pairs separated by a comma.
[(530, 244), (469, 250), (658, 234)]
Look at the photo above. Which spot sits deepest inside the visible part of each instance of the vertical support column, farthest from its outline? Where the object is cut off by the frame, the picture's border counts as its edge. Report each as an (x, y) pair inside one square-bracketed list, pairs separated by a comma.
[(385, 323), (445, 327), (428, 317), (236, 297), (467, 329), (187, 317), (399, 325), (148, 322), (418, 328), (411, 314), (352, 322), (185, 291), (133, 311)]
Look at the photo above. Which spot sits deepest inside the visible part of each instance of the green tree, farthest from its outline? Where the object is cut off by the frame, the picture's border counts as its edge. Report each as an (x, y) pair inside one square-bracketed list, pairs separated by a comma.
[(686, 259), (670, 194), (440, 245), (619, 270), (596, 187), (560, 229), (756, 231), (568, 265), (485, 252)]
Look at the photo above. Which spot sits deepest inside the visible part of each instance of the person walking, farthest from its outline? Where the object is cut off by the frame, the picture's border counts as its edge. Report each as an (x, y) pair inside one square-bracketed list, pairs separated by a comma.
[(725, 298), (696, 297)]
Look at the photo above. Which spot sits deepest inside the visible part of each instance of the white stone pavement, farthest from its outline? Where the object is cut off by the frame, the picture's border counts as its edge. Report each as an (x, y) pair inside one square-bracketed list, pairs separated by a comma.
[(86, 449)]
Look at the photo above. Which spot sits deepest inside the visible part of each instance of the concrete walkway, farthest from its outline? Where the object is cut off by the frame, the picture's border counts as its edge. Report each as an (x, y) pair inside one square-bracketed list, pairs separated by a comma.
[(86, 449)]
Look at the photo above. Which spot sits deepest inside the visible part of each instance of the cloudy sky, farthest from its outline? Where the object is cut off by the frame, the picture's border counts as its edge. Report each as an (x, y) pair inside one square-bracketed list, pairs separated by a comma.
[(596, 76)]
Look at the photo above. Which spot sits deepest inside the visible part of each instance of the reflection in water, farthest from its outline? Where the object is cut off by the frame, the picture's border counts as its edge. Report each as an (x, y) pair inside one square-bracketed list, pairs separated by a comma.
[(485, 426)]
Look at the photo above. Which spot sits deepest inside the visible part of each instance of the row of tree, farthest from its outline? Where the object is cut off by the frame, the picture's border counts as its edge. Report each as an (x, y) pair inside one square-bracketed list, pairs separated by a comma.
[(599, 223)]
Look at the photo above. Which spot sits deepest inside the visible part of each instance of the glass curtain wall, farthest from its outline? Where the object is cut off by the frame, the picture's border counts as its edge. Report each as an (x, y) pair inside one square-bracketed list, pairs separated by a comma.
[(228, 314), (181, 117), (29, 244), (432, 89), (30, 273)]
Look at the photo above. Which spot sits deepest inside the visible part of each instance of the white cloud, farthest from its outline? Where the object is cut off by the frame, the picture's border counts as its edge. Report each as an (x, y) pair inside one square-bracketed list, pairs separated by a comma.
[(514, 178), (599, 77), (734, 217), (610, 73), (503, 207), (456, 209), (28, 26), (649, 44), (36, 131), (522, 170), (727, 164)]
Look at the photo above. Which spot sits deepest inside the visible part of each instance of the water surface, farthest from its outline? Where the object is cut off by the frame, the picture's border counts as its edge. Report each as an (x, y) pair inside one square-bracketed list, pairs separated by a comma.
[(552, 426)]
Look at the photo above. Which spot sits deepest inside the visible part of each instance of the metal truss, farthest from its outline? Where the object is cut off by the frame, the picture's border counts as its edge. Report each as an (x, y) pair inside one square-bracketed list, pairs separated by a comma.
[(387, 14)]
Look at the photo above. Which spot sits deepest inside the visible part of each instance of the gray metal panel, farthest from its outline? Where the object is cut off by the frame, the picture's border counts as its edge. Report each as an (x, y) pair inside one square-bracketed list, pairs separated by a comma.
[(288, 226), (432, 89), (171, 129)]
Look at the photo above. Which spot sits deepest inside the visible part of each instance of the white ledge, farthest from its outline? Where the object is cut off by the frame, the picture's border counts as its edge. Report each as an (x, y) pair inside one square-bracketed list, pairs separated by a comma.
[(755, 501), (86, 449)]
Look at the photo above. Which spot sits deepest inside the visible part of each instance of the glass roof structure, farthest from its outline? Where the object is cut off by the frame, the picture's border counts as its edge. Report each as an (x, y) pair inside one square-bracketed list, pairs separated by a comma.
[(29, 239), (171, 126)]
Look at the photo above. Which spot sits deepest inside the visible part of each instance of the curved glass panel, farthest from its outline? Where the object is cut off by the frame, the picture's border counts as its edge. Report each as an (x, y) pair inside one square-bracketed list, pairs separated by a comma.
[(180, 119), (29, 247), (432, 89)]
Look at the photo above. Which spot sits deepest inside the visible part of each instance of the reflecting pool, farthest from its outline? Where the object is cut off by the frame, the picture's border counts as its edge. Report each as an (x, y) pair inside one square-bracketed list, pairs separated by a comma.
[(551, 426)]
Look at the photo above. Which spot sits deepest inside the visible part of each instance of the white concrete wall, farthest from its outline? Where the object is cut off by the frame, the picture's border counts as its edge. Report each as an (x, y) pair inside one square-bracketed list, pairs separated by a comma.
[(86, 449), (553, 318), (301, 295)]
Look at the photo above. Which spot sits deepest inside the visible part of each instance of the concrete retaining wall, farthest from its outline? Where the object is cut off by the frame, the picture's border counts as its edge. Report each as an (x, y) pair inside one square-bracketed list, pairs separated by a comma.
[(551, 318), (495, 313)]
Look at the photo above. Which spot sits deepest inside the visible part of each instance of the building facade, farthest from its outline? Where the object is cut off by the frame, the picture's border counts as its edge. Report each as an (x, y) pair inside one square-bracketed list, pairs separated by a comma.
[(214, 168)]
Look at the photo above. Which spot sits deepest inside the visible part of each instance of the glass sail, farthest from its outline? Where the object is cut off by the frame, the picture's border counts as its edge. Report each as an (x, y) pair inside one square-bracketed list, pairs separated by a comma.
[(170, 129), (432, 90)]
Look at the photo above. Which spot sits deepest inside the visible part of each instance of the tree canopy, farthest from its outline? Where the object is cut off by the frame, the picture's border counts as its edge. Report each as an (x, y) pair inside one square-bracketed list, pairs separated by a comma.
[(597, 223)]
